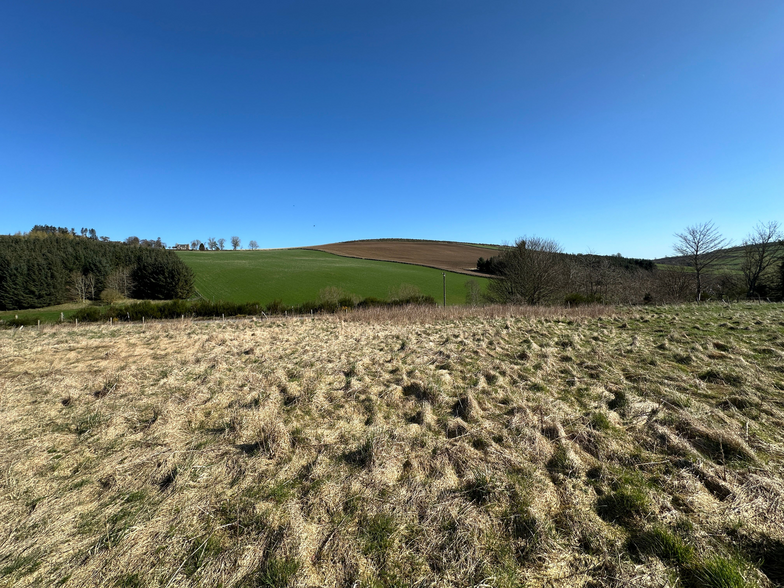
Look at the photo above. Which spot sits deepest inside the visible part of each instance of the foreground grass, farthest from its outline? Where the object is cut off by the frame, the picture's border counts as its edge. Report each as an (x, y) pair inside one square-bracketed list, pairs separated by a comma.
[(297, 275), (597, 447)]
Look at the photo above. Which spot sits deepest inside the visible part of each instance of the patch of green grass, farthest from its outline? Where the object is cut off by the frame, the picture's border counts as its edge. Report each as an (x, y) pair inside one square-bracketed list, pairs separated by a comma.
[(274, 572), (208, 550), (716, 377), (23, 563), (297, 275), (87, 423), (481, 487), (49, 314), (240, 517), (280, 491), (129, 581), (600, 422), (530, 535), (376, 534), (717, 572), (664, 544), (625, 505), (561, 463)]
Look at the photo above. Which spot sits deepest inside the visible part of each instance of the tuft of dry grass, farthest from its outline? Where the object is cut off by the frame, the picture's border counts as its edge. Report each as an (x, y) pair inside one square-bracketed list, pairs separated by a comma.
[(495, 446)]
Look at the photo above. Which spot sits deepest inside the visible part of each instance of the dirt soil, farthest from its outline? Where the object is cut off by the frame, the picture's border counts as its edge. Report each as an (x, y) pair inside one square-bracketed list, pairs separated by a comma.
[(445, 255)]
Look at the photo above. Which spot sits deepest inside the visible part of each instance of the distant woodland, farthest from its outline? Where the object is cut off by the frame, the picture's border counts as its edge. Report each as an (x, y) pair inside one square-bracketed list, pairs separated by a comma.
[(537, 271), (52, 265)]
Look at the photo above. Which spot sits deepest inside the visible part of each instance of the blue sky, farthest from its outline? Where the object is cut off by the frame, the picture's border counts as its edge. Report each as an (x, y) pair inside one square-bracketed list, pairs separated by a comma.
[(607, 125)]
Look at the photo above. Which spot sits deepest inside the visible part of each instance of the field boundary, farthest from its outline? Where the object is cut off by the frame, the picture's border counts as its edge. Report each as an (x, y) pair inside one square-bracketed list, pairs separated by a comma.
[(435, 267), (325, 248)]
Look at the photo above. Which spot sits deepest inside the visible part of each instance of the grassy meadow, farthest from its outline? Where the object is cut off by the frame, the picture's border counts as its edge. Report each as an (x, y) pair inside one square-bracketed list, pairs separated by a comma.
[(297, 275), (730, 261), (50, 314), (416, 447)]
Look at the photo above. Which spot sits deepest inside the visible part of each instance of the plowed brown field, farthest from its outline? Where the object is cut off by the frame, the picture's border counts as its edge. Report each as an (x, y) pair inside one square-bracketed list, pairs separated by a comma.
[(455, 257)]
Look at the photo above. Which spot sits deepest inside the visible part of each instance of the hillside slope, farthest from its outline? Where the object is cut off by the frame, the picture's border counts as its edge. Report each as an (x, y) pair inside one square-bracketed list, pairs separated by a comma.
[(297, 275), (445, 255), (730, 259)]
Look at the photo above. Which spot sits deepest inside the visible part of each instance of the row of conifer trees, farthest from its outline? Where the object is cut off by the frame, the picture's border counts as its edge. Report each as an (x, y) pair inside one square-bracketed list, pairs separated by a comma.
[(47, 268)]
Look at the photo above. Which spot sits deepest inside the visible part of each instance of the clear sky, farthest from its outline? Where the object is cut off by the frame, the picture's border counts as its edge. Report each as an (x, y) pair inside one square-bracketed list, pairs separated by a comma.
[(605, 125)]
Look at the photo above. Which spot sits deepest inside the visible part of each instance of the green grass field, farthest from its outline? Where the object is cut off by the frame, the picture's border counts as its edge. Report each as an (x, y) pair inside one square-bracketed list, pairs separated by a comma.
[(296, 276), (730, 260), (50, 314)]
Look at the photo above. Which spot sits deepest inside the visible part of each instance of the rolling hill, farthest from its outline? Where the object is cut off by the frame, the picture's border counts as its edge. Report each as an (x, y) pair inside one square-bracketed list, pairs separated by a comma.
[(443, 255), (730, 259), (298, 275)]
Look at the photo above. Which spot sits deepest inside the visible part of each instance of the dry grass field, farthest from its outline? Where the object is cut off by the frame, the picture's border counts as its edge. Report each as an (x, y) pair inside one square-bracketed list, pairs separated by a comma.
[(455, 257), (457, 447)]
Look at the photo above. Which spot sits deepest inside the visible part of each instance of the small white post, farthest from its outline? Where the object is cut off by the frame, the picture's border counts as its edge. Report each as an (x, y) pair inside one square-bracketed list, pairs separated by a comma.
[(77, 322), (39, 324), (142, 320)]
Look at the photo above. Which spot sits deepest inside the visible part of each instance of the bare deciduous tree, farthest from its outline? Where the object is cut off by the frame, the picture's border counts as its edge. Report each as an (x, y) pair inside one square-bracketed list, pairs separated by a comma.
[(91, 283), (120, 280), (593, 276), (701, 244), (221, 243), (79, 286), (253, 245), (534, 272), (195, 244), (762, 251), (212, 244), (235, 242), (473, 292)]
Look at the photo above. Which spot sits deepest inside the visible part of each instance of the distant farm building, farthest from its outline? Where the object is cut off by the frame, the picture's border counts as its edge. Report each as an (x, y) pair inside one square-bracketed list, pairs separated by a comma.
[(183, 247)]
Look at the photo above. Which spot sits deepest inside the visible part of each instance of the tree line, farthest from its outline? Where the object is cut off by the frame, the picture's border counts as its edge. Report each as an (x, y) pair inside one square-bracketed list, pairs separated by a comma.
[(219, 244), (85, 232), (535, 270), (48, 267)]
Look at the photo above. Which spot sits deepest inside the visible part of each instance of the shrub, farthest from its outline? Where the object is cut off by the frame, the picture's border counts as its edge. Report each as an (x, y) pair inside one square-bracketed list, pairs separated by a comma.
[(110, 296), (88, 314), (371, 302), (577, 299), (276, 307), (23, 321)]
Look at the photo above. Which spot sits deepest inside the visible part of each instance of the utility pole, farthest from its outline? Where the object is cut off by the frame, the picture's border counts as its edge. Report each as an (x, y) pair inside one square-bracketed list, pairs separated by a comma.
[(443, 274)]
